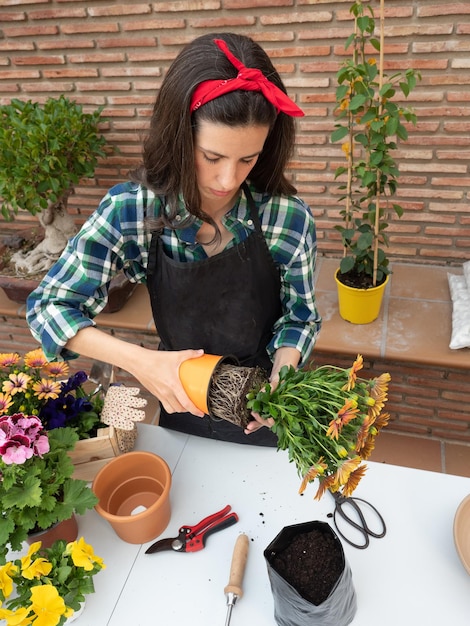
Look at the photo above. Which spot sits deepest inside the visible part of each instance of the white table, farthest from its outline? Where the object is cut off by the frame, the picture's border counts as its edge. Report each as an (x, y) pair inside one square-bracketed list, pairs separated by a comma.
[(413, 576)]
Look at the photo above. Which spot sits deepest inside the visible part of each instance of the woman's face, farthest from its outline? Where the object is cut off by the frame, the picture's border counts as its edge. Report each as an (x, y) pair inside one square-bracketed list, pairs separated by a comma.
[(224, 157)]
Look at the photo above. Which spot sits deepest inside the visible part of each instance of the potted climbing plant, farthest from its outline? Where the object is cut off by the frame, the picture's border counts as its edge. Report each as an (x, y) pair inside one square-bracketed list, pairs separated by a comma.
[(45, 150), (369, 122)]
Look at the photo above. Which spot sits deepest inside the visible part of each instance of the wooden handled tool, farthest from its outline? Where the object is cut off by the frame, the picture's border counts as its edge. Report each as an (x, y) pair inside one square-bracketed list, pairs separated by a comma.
[(234, 589)]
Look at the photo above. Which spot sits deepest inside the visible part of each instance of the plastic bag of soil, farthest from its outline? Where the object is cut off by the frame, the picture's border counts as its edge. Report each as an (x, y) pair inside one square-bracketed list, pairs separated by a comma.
[(310, 579)]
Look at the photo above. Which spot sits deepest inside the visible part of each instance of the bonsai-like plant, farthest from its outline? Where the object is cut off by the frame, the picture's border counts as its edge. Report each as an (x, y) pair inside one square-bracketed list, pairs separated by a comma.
[(369, 123), (36, 487), (45, 151), (48, 585), (326, 418)]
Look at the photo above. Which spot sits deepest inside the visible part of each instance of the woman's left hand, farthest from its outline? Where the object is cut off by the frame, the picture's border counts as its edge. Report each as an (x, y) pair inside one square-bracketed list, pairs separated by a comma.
[(284, 356)]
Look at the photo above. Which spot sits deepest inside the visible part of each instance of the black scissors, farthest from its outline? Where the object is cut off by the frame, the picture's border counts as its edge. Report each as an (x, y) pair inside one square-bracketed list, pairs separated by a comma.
[(356, 518)]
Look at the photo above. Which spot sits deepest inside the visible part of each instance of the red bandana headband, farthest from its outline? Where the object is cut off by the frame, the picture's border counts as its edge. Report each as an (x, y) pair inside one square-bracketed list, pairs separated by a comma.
[(247, 79)]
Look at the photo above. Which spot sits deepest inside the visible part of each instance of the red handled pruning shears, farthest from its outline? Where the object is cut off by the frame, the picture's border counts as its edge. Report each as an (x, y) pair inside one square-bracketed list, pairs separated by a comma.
[(193, 538)]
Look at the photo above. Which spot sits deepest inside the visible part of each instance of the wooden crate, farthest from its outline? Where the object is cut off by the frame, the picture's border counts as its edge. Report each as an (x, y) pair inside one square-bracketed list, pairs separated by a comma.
[(90, 455)]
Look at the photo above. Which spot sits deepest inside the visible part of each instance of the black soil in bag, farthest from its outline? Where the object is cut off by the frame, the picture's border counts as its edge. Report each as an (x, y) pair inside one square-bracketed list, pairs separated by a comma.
[(310, 579)]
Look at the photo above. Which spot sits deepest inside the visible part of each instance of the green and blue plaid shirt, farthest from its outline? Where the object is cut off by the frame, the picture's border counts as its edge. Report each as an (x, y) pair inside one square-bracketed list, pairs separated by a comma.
[(114, 238)]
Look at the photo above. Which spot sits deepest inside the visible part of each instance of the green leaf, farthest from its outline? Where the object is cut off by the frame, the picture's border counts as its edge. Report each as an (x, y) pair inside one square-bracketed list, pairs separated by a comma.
[(339, 133), (357, 102)]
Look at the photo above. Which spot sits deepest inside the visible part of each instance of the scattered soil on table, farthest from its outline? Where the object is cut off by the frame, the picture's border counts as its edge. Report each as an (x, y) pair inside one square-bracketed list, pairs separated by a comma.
[(312, 564)]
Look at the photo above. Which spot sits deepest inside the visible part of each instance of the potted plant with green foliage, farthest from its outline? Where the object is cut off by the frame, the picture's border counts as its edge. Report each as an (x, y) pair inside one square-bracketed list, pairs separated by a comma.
[(368, 123), (48, 585), (37, 490), (45, 150)]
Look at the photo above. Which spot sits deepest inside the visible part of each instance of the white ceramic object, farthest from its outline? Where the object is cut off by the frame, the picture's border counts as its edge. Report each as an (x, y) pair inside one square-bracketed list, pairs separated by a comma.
[(76, 614), (462, 532)]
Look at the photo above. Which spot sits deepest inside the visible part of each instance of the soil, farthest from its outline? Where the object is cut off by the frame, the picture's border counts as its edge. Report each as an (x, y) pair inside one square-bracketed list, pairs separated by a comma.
[(312, 564), (228, 389), (357, 280)]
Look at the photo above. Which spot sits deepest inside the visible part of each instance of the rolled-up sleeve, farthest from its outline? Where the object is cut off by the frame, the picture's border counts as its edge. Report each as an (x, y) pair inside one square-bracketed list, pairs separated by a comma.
[(75, 289)]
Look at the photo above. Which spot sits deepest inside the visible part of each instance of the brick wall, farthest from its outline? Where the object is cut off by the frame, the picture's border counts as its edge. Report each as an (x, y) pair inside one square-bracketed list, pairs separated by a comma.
[(429, 401), (115, 54)]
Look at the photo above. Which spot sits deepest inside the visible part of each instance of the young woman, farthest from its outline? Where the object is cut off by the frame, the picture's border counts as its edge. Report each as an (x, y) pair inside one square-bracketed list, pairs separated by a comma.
[(211, 225)]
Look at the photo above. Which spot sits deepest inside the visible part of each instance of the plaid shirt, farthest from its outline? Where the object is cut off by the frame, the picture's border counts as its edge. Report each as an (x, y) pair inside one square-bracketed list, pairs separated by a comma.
[(114, 238)]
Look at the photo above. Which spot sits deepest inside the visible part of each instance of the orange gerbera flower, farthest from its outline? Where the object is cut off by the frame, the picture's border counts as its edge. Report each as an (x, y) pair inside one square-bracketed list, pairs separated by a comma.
[(348, 412), (382, 421), (317, 469), (363, 433), (368, 447), (353, 480), (35, 358), (346, 468), (56, 368), (356, 366), (9, 360), (326, 483)]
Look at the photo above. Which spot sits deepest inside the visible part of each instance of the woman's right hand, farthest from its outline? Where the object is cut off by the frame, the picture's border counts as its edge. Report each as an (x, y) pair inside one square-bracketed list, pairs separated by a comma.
[(158, 372)]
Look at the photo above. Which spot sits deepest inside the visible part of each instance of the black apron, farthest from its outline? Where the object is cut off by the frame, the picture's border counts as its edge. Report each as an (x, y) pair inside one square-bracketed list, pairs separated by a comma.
[(227, 305)]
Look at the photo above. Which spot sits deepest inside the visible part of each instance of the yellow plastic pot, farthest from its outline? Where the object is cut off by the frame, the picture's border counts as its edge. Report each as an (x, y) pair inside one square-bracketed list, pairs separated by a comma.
[(195, 376), (359, 306)]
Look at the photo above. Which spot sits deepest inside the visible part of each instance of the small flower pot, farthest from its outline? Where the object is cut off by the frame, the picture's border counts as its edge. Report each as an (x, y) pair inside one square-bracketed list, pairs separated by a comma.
[(195, 376), (134, 495), (359, 306)]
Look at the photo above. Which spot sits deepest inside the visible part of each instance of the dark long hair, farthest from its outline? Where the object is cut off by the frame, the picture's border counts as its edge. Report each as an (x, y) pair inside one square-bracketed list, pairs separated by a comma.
[(168, 153)]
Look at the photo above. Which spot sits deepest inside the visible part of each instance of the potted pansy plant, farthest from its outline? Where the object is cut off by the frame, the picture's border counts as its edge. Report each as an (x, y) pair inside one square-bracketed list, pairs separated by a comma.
[(48, 586)]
